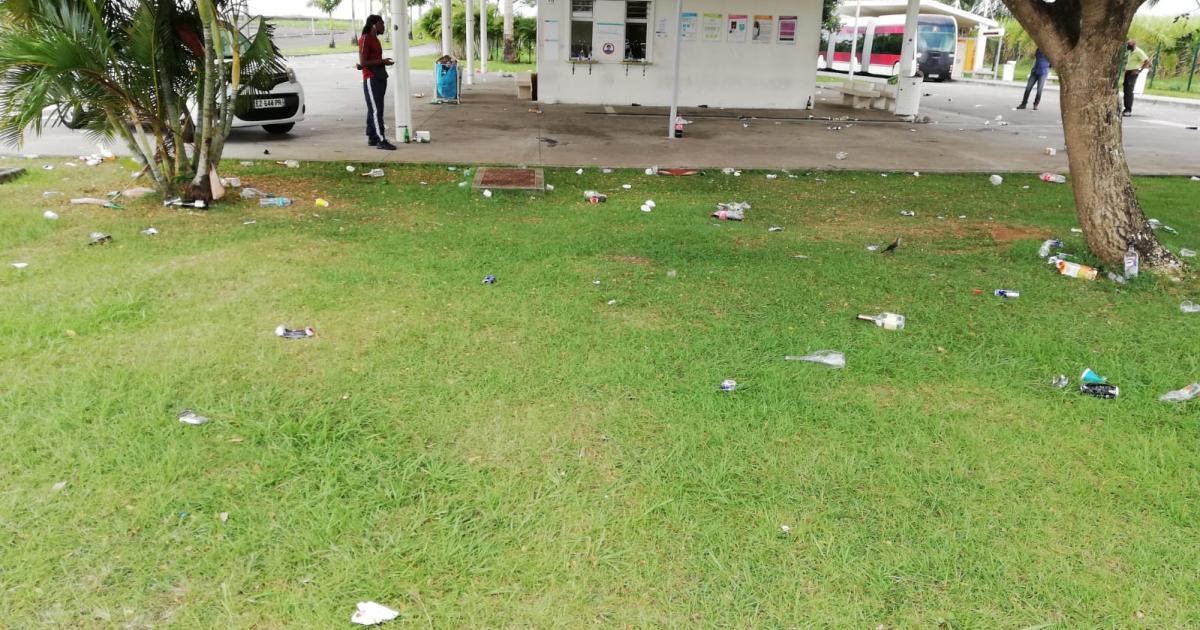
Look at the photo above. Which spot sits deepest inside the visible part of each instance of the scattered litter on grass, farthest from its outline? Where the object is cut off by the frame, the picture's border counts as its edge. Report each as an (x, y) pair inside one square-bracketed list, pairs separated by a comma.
[(908, 213), (223, 517), (1061, 381), (734, 211), (245, 163), (92, 201), (1117, 279), (647, 209), (872, 248), (1005, 293), (58, 486), (191, 417), (1188, 306), (179, 202), (996, 180), (47, 167), (627, 186), (549, 187), (350, 168), (1053, 178), (20, 265), (489, 279), (371, 613), (98, 238), (773, 176), (150, 231), (1187, 253), (729, 385), (1098, 390), (462, 184), (832, 358), (50, 194), (1090, 376), (50, 214), (1155, 224), (294, 333), (487, 194), (672, 274), (250, 193), (249, 222), (1182, 395), (595, 197), (775, 228), (606, 171), (275, 202), (231, 182), (289, 163), (886, 321), (841, 155), (579, 171), (916, 173), (785, 529), (321, 203), (1047, 246), (1075, 270), (375, 172)]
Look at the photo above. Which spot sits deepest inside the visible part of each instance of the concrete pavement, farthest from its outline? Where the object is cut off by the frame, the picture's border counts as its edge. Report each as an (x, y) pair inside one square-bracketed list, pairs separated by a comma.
[(492, 127)]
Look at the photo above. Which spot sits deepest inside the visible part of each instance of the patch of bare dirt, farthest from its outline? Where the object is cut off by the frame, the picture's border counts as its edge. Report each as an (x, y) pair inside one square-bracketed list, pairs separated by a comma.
[(1005, 234)]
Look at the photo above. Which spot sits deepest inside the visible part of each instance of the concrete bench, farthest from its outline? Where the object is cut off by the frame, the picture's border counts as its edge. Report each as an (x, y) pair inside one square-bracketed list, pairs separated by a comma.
[(525, 86), (887, 98), (859, 94)]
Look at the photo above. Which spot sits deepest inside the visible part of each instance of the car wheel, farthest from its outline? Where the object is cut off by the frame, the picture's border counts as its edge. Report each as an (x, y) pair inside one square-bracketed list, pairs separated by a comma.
[(280, 128), (71, 115)]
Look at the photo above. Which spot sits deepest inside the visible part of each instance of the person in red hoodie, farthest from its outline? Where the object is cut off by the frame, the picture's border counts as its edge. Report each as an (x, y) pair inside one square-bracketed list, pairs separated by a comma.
[(374, 70)]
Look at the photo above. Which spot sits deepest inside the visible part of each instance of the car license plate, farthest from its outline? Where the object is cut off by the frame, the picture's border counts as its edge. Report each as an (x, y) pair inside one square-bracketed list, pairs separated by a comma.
[(267, 103)]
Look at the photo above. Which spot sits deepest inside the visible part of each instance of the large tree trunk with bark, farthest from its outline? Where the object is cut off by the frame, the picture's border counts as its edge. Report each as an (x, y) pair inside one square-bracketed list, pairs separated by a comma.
[(1083, 40), (510, 46)]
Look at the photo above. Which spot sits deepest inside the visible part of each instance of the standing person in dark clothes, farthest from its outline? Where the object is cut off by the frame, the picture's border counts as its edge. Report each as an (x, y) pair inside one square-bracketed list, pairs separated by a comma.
[(1136, 62), (374, 71), (1037, 76)]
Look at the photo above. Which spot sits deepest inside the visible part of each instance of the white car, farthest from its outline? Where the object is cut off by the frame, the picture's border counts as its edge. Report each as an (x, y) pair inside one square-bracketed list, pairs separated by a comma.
[(276, 111)]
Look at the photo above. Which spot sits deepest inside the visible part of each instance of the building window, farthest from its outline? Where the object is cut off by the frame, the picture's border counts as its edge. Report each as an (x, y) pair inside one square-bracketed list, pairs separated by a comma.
[(637, 25), (581, 29)]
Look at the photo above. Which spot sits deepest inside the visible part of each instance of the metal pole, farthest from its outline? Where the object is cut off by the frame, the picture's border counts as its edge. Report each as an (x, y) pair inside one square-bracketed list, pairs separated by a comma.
[(483, 38), (470, 43), (447, 34), (1191, 74), (678, 55), (854, 37), (1154, 66), (401, 103)]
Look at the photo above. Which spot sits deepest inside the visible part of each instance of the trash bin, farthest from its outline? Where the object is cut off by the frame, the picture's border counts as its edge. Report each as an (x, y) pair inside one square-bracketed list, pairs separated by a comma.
[(447, 79), (1010, 71)]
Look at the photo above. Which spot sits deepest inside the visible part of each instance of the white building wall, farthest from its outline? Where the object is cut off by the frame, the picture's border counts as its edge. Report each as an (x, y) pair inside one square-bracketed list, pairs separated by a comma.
[(718, 74)]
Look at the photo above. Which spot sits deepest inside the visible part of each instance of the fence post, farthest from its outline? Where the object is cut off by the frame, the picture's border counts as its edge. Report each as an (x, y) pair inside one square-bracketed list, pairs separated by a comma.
[(1192, 73), (1154, 66)]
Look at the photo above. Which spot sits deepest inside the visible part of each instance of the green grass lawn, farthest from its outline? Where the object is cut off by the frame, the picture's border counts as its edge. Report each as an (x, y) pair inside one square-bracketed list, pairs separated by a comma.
[(528, 455)]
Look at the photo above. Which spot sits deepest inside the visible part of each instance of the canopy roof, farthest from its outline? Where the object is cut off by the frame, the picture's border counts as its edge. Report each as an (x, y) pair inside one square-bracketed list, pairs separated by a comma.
[(872, 8)]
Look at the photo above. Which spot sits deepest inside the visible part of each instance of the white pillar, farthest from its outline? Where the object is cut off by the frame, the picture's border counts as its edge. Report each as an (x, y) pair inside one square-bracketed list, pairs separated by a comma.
[(980, 45), (675, 78), (483, 43), (854, 37), (447, 34), (908, 87), (470, 29), (402, 94)]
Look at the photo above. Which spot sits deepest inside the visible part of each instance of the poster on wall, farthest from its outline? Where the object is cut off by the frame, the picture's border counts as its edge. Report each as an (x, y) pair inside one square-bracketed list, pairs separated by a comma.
[(608, 41), (712, 27), (660, 28), (550, 35), (787, 29), (763, 29), (688, 26), (735, 29)]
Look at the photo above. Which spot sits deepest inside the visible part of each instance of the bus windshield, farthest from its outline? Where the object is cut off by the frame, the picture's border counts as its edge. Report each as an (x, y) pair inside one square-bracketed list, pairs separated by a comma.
[(938, 42)]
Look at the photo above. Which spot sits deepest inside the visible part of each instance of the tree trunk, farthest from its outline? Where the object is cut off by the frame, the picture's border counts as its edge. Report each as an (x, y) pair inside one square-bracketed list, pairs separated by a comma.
[(1083, 41), (1105, 202), (510, 46), (200, 188)]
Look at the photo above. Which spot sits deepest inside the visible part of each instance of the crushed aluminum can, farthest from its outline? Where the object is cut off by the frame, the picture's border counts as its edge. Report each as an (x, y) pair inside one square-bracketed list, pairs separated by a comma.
[(294, 333), (1100, 390), (489, 279)]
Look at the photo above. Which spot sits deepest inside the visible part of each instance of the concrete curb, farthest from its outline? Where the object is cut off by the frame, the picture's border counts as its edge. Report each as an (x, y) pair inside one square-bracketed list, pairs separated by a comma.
[(1186, 103)]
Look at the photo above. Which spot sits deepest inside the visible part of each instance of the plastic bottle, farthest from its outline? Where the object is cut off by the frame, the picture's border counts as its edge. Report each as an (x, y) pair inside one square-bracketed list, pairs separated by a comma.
[(1181, 395), (1005, 293), (1054, 178), (832, 358), (275, 202), (1100, 390), (1076, 270), (1044, 250), (728, 385), (1132, 262), (886, 321), (1189, 306)]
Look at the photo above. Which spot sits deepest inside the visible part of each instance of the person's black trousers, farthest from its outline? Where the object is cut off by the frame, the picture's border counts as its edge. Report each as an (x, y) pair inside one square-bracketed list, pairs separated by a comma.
[(1131, 77), (373, 91), (1040, 81)]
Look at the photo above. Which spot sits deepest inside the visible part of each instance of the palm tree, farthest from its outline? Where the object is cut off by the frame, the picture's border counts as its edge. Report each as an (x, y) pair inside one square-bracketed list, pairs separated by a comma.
[(135, 66), (327, 7)]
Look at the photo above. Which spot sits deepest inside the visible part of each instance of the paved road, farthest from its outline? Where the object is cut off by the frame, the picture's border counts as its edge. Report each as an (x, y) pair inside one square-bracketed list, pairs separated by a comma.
[(491, 126)]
